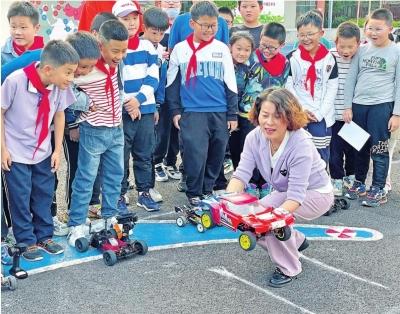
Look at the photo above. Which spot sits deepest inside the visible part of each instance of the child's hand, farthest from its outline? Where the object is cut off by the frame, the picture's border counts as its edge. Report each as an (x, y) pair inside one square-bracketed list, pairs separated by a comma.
[(394, 123), (347, 115), (74, 135), (156, 117), (165, 55), (131, 105), (5, 160), (311, 117), (55, 161), (232, 125), (92, 108), (135, 114), (175, 120)]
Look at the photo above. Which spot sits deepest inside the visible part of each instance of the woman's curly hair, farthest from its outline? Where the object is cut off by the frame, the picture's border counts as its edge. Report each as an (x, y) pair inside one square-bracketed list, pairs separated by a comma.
[(287, 106)]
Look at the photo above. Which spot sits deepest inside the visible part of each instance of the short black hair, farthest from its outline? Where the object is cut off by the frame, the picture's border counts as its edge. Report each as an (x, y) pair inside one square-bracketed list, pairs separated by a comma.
[(156, 18), (381, 14), (203, 8), (113, 30), (275, 31), (85, 44), (58, 53), (348, 30), (100, 18), (23, 8), (309, 18), (226, 10), (259, 3)]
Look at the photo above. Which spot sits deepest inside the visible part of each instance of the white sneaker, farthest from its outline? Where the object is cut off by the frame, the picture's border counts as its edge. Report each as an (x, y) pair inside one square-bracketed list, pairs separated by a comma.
[(155, 195), (77, 232), (337, 187), (60, 229), (173, 172), (160, 174)]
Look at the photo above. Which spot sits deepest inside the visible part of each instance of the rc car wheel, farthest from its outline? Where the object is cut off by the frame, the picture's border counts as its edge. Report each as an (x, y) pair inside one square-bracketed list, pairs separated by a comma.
[(141, 247), (283, 234), (81, 245), (180, 221), (247, 241), (206, 220), (12, 283), (200, 228), (109, 258), (343, 204)]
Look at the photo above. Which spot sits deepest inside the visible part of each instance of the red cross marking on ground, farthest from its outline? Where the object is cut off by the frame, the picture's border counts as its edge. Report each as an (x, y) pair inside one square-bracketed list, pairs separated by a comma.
[(341, 233)]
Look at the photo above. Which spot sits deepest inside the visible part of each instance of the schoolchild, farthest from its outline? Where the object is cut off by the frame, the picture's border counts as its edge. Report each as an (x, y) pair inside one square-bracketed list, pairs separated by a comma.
[(377, 109), (31, 99)]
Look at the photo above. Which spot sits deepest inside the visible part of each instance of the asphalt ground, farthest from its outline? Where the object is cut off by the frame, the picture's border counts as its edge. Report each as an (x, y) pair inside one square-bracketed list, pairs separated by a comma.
[(337, 277)]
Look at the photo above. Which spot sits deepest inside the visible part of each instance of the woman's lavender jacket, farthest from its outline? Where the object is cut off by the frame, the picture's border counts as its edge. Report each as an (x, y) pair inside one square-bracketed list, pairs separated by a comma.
[(298, 169)]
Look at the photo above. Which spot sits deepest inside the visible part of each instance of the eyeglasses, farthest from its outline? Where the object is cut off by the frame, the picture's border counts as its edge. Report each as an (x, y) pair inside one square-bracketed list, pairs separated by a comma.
[(375, 30), (307, 36), (206, 27), (269, 48)]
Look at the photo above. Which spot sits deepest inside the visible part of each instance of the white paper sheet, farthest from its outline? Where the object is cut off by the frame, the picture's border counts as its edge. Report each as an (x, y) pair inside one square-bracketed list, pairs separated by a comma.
[(353, 134)]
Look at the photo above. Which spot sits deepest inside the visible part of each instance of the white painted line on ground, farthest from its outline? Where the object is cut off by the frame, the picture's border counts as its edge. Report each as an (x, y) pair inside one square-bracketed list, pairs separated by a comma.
[(337, 270), (157, 215), (225, 273)]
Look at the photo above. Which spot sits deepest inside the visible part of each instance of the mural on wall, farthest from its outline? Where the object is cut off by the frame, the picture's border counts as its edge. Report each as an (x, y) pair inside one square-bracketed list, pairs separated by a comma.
[(58, 18)]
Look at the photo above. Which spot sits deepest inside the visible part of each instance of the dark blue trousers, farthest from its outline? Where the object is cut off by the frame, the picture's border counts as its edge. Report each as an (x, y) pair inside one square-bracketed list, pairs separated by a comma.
[(139, 142), (321, 137), (30, 195), (204, 136), (373, 119), (341, 161)]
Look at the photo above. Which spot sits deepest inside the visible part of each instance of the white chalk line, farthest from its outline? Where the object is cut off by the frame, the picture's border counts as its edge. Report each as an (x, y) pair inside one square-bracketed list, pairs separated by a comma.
[(225, 273), (337, 270)]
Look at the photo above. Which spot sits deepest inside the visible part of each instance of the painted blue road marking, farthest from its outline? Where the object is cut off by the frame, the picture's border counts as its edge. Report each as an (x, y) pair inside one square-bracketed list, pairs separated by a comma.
[(167, 234)]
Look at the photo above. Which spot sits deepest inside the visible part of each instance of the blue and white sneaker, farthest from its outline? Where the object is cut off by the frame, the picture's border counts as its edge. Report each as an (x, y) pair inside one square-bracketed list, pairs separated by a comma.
[(160, 174), (122, 208), (358, 189), (6, 259), (145, 201), (251, 188), (265, 190), (375, 197)]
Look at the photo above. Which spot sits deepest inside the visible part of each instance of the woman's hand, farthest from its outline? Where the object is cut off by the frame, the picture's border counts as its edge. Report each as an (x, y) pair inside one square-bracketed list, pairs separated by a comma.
[(235, 186)]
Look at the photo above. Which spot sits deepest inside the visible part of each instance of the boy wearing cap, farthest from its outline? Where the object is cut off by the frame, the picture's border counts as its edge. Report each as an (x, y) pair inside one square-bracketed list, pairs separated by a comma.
[(140, 81)]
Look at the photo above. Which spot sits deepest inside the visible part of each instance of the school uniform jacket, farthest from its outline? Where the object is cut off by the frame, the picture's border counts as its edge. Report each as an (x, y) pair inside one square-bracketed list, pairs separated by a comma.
[(212, 89), (326, 85)]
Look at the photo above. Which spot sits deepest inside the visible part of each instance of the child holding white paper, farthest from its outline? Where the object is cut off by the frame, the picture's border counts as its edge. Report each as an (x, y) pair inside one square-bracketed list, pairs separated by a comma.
[(341, 162), (372, 100)]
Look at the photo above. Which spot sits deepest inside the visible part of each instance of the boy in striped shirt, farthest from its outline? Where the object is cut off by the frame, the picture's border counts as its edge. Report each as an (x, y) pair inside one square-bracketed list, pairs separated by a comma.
[(101, 136), (140, 81), (341, 163)]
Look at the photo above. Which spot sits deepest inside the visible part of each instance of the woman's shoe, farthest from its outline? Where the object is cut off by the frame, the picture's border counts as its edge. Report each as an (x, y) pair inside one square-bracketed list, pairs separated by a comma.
[(279, 279)]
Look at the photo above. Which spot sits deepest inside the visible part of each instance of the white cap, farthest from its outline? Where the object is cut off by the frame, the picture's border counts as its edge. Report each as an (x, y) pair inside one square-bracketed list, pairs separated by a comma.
[(122, 8)]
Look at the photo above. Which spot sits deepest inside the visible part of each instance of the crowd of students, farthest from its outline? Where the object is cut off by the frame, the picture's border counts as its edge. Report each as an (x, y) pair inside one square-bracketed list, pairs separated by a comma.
[(148, 85)]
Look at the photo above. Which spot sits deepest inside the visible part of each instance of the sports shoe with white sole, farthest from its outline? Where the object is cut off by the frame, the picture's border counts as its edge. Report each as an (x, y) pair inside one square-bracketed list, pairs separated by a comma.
[(60, 229), (77, 232), (155, 195)]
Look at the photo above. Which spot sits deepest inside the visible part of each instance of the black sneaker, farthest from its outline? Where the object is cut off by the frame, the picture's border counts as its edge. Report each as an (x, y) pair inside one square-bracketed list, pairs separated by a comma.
[(279, 279), (304, 245), (51, 247), (194, 201), (32, 254)]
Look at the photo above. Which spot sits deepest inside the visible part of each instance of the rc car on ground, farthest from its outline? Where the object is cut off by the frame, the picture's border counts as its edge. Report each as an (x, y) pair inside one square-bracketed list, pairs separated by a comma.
[(239, 211), (114, 241)]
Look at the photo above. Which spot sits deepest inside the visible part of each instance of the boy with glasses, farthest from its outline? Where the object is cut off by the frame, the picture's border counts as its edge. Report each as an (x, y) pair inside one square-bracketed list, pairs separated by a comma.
[(202, 93), (372, 100), (313, 79)]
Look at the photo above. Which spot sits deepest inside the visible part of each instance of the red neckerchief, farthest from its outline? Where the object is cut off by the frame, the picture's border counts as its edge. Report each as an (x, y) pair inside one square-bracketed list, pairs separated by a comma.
[(38, 43), (311, 73), (192, 66), (133, 42), (44, 103), (109, 84), (275, 66)]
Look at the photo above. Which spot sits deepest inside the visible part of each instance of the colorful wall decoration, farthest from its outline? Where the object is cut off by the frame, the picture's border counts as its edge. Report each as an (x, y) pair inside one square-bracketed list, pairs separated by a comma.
[(58, 18)]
